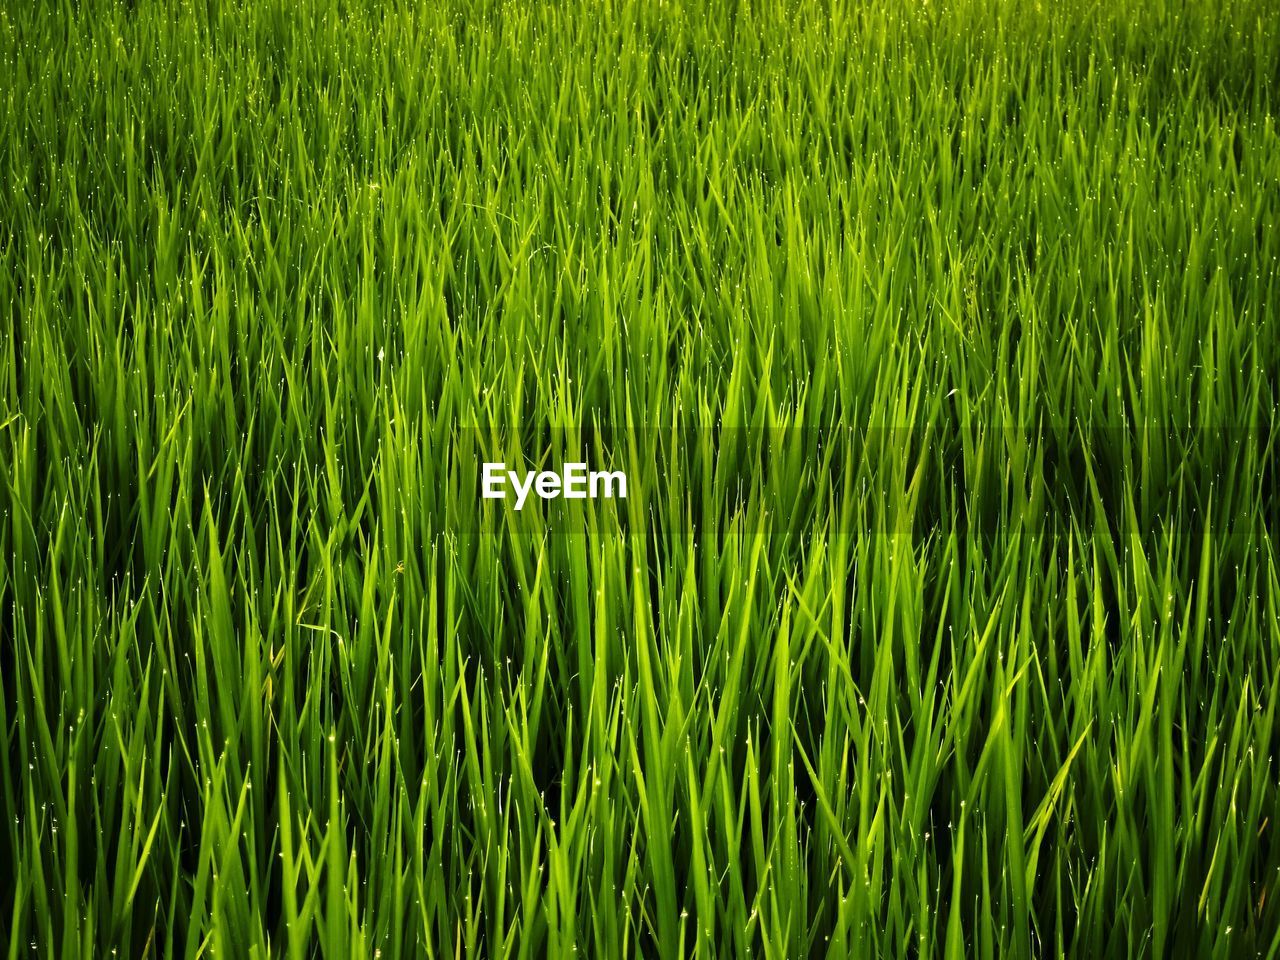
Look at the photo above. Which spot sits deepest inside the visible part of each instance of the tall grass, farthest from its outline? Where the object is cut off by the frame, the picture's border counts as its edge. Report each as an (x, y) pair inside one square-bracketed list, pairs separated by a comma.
[(940, 343)]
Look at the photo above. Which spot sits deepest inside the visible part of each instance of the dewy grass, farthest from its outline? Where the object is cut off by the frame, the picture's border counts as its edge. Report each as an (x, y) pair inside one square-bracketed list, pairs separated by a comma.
[(939, 345)]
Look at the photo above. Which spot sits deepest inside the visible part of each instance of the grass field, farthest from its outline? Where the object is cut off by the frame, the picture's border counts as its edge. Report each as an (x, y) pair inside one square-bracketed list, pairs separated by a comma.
[(939, 342)]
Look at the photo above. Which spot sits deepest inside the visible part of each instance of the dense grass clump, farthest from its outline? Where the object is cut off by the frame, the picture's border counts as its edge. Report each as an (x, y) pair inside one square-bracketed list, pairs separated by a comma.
[(939, 342)]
